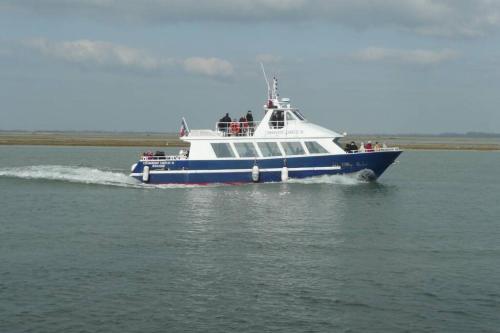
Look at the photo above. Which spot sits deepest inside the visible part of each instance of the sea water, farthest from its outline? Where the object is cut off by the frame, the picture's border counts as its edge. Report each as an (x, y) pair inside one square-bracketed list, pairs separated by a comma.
[(85, 248)]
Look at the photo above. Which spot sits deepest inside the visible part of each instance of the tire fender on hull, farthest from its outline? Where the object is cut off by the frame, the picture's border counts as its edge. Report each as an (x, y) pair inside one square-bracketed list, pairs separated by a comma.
[(255, 174), (284, 174), (145, 174)]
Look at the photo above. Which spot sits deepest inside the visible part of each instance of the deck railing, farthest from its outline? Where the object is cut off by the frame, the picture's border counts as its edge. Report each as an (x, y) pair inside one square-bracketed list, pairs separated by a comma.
[(236, 128), (374, 150), (149, 156)]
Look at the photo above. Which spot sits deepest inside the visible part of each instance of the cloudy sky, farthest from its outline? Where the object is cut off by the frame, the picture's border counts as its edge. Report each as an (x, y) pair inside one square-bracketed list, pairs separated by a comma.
[(361, 66)]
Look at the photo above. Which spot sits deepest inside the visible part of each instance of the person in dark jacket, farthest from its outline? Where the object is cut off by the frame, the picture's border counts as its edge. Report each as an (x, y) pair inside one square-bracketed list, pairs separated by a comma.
[(351, 147), (220, 125), (249, 118), (281, 119), (243, 126), (224, 123), (347, 147), (274, 120), (226, 118)]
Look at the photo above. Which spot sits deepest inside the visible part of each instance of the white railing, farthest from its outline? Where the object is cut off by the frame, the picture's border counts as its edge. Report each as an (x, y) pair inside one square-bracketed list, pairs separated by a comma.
[(236, 128), (374, 149), (202, 132), (150, 156)]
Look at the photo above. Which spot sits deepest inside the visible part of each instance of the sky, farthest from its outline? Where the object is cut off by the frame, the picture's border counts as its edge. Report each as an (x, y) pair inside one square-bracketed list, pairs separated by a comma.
[(355, 66)]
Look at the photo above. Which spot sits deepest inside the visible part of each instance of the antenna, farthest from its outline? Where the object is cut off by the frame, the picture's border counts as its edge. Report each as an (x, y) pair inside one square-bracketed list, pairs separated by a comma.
[(265, 78)]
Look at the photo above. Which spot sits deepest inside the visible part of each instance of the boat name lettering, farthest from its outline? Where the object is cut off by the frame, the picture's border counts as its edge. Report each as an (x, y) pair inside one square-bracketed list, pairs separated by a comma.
[(159, 164), (287, 132)]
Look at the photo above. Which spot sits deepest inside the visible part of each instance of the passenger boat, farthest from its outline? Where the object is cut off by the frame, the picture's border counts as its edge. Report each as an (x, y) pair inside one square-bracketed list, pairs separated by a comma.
[(282, 146)]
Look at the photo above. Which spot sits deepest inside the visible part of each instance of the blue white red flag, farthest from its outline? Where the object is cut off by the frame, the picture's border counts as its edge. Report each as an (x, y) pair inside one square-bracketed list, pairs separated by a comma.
[(184, 128)]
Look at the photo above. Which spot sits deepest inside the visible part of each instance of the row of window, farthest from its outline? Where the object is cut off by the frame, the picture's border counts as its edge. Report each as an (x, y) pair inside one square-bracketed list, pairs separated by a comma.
[(268, 149)]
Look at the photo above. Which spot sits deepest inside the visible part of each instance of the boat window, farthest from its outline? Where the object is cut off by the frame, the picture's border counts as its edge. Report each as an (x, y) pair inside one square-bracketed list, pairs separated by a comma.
[(222, 150), (269, 149), (293, 148), (298, 114), (315, 148), (289, 116), (277, 119), (245, 149)]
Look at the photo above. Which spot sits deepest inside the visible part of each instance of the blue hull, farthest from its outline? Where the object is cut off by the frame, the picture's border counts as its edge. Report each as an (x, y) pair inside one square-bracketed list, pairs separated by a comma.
[(239, 170)]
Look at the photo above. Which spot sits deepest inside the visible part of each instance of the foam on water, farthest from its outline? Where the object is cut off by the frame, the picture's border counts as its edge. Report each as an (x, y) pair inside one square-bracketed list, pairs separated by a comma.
[(353, 179), (74, 174), (84, 175), (88, 175)]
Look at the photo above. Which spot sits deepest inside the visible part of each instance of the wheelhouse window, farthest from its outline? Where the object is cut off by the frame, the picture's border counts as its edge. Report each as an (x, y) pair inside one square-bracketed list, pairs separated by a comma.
[(293, 148), (245, 149), (222, 150), (298, 114), (289, 116), (315, 148), (269, 149), (277, 119)]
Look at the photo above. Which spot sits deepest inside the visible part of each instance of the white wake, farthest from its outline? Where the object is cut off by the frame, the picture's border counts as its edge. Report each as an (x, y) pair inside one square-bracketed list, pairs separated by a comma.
[(74, 174), (84, 175), (351, 179), (88, 175)]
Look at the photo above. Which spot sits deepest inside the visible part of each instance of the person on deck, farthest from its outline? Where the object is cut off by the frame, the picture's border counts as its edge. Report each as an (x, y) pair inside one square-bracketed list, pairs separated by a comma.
[(224, 123), (235, 127), (348, 147), (226, 118), (243, 126), (221, 126), (368, 146), (249, 118)]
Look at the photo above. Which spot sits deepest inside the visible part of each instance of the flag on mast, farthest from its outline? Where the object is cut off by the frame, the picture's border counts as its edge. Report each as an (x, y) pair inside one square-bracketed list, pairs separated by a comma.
[(184, 128)]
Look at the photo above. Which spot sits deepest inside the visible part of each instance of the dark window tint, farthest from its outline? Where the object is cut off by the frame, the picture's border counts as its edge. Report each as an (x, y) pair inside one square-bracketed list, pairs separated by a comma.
[(277, 119), (315, 148), (222, 150), (293, 148), (245, 149), (298, 114), (269, 149)]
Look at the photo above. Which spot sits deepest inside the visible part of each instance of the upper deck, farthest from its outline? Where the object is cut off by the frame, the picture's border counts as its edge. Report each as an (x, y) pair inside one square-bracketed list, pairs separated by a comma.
[(278, 122), (281, 127)]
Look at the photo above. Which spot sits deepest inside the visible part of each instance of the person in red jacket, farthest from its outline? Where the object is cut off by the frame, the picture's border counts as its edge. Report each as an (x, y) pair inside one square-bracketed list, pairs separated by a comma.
[(368, 146), (235, 127)]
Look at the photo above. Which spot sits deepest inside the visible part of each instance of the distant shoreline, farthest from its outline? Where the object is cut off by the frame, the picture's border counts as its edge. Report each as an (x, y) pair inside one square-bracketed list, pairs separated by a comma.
[(90, 139), (159, 140)]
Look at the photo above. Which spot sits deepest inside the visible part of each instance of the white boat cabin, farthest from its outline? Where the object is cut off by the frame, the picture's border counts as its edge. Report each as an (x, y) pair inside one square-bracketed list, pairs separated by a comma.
[(283, 131)]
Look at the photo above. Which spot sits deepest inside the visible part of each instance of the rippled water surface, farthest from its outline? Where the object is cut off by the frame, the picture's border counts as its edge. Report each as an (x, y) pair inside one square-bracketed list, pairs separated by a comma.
[(83, 248)]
